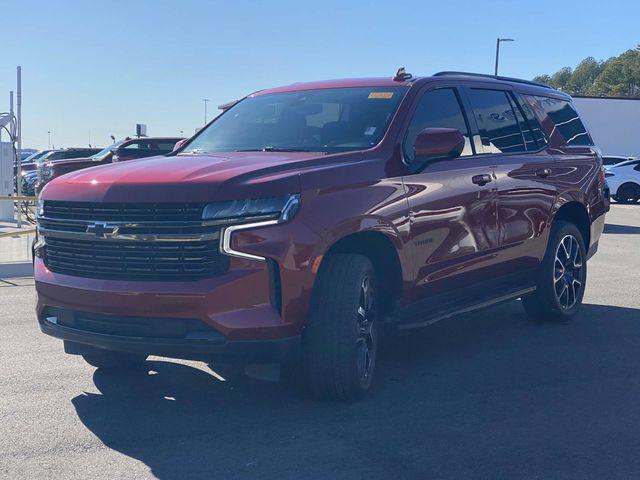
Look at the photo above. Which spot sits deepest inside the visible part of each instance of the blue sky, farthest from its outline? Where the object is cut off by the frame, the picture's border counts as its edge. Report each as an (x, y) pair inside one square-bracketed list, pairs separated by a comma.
[(93, 69)]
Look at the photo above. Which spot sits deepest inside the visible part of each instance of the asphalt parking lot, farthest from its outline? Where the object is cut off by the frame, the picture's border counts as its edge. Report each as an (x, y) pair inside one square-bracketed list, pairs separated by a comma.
[(490, 395)]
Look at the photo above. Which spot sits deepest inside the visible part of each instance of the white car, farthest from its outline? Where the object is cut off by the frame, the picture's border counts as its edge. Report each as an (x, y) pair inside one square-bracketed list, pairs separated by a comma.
[(611, 160), (624, 181)]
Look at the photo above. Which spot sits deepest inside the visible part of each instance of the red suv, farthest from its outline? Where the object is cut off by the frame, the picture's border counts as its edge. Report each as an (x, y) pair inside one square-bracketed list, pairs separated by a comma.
[(306, 218)]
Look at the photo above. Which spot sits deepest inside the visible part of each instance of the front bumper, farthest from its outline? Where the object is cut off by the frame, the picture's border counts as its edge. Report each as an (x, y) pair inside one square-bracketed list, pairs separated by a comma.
[(84, 332), (239, 305)]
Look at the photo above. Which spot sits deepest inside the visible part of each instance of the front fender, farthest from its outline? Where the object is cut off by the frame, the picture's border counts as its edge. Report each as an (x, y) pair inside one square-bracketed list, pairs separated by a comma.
[(326, 217)]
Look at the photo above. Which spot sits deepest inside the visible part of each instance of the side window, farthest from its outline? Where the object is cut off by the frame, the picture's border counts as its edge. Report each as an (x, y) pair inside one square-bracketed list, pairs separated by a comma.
[(164, 145), (132, 146), (527, 136), (497, 121), (532, 125), (566, 120), (437, 109), (637, 167)]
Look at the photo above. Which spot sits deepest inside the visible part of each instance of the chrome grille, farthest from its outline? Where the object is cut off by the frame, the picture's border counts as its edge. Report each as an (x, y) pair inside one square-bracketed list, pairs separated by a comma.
[(128, 212), (133, 241)]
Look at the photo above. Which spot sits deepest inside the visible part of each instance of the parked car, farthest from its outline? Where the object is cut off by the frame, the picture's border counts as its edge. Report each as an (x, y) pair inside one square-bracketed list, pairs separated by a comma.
[(609, 160), (30, 162), (624, 181), (127, 149), (29, 181), (304, 219), (68, 153), (28, 166)]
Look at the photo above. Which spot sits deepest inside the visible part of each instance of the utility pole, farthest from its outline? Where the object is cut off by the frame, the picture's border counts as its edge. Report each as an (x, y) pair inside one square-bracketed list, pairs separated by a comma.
[(19, 138), (205, 100), (498, 40), (48, 139)]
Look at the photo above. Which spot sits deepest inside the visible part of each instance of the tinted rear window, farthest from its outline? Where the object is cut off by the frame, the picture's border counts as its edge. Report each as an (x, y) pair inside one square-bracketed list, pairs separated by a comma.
[(532, 125), (497, 121), (566, 120)]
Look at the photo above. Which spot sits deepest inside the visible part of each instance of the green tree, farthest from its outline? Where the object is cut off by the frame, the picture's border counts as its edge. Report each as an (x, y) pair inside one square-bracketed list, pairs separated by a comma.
[(584, 75), (618, 76), (561, 78)]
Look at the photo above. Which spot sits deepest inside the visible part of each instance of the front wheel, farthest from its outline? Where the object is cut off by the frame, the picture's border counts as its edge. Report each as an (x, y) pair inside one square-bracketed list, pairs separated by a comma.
[(562, 276), (340, 343)]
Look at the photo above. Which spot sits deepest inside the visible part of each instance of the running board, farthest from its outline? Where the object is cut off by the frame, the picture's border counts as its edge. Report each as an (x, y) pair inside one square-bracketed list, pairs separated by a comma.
[(430, 320)]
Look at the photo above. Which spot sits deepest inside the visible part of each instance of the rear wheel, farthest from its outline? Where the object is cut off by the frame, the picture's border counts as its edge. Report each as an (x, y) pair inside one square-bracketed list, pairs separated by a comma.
[(340, 343), (111, 360), (562, 276), (628, 193)]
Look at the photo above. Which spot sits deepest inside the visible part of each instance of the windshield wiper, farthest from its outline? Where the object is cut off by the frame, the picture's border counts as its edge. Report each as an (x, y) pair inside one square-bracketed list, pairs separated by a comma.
[(197, 151)]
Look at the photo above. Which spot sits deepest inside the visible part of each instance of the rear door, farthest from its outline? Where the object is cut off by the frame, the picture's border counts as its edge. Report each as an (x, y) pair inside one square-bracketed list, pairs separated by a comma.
[(452, 203), (526, 177)]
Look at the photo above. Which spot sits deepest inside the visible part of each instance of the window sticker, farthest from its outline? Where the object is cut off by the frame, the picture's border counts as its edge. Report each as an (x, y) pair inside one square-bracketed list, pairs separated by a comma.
[(385, 95), (370, 131)]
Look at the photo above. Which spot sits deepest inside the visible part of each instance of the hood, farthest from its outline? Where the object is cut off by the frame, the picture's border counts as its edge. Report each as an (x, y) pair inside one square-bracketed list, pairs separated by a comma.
[(62, 161), (62, 166), (188, 178)]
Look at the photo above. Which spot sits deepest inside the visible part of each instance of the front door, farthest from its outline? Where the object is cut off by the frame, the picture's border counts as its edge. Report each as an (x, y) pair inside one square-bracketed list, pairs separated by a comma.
[(452, 204)]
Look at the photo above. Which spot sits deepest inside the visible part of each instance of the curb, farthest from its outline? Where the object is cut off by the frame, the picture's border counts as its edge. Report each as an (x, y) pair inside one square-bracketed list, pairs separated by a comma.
[(16, 269)]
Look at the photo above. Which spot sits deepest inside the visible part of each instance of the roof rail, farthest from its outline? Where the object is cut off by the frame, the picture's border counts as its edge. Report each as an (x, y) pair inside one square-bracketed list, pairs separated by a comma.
[(485, 75)]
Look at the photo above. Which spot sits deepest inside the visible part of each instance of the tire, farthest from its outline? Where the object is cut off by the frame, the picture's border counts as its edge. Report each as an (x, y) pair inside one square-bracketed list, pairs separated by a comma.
[(340, 343), (110, 360), (628, 193), (564, 265)]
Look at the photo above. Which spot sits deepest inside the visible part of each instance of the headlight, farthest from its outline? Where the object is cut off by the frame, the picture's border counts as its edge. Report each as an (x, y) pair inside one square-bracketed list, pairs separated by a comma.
[(247, 214), (281, 209)]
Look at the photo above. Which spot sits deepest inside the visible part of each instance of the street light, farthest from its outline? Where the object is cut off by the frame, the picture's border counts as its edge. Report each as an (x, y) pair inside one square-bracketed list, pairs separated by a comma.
[(498, 40), (49, 140), (205, 100)]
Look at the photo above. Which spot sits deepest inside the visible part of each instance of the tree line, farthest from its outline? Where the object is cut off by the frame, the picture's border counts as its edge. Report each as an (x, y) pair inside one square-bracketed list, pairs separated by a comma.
[(616, 77)]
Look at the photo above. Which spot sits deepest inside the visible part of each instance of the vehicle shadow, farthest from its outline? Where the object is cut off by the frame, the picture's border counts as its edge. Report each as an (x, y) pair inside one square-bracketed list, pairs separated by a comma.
[(490, 395), (612, 228)]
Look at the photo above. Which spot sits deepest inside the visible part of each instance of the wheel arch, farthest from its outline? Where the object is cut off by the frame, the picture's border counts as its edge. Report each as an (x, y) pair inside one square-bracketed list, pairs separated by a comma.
[(626, 183), (383, 254), (575, 212)]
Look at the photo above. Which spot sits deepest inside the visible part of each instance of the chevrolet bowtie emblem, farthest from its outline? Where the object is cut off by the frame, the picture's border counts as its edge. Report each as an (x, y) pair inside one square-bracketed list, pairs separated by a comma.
[(102, 229)]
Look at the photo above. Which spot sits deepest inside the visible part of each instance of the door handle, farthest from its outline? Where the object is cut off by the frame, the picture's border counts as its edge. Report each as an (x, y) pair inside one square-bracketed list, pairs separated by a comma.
[(482, 180), (543, 172)]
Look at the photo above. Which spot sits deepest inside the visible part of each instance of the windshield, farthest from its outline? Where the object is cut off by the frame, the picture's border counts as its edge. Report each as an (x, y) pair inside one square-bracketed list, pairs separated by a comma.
[(51, 155), (631, 161), (326, 120), (106, 151), (34, 156)]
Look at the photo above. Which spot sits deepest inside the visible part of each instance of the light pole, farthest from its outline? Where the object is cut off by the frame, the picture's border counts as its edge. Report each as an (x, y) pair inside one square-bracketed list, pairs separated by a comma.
[(205, 100), (48, 139), (498, 40)]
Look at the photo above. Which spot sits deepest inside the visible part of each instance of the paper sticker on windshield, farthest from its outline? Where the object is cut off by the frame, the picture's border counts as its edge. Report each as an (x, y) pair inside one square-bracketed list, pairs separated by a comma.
[(370, 130), (386, 95)]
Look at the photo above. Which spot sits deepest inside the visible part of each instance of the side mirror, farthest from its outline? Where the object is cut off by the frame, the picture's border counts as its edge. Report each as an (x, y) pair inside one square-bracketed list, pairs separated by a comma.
[(438, 144)]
